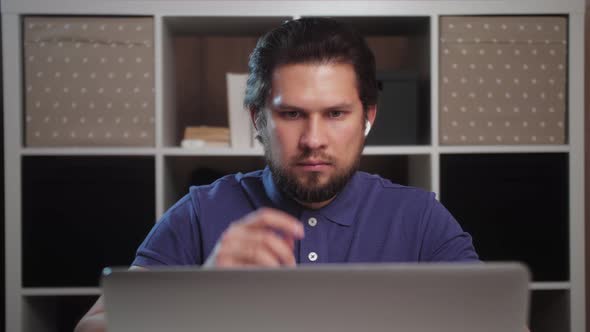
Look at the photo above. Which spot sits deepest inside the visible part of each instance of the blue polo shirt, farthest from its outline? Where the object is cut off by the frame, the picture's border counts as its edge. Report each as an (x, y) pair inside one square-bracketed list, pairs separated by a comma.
[(371, 220)]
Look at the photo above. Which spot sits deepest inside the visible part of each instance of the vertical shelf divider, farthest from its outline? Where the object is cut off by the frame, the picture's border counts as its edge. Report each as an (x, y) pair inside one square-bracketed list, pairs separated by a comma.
[(13, 114), (160, 106), (576, 170), (435, 173), (434, 74), (166, 83), (159, 170), (434, 155)]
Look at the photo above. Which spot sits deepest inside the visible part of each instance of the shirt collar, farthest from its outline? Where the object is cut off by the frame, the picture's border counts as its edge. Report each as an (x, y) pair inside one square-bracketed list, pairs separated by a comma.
[(344, 207), (277, 198), (341, 210)]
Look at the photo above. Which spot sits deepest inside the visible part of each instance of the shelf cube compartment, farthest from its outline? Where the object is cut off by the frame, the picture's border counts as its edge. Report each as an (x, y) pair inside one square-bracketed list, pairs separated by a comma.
[(81, 214), (503, 80), (515, 206), (88, 81), (550, 310), (55, 313), (198, 54), (401, 46)]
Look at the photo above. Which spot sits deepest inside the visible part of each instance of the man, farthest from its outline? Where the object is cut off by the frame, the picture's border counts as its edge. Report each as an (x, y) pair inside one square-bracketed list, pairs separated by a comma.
[(312, 96)]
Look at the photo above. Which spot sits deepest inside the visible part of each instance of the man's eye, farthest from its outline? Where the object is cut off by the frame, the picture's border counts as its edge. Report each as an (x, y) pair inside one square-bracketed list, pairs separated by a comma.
[(336, 114), (290, 114)]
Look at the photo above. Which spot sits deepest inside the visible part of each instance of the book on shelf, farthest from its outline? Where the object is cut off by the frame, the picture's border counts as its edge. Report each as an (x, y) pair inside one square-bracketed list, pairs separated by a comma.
[(240, 124), (202, 136)]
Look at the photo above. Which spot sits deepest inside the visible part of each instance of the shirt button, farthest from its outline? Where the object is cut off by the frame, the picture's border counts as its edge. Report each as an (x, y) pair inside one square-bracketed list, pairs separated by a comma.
[(312, 222), (312, 256)]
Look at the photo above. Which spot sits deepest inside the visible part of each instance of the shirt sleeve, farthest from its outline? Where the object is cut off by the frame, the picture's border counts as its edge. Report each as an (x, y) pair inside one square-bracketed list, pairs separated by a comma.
[(444, 239), (174, 240)]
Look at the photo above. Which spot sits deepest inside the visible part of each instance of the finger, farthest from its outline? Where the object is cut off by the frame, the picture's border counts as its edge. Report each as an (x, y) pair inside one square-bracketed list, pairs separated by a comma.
[(277, 220), (291, 243), (258, 253), (262, 247), (244, 246), (232, 248), (281, 248)]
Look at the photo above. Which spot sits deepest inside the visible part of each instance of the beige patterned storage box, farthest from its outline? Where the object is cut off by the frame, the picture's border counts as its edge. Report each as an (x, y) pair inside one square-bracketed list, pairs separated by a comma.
[(503, 80), (89, 81)]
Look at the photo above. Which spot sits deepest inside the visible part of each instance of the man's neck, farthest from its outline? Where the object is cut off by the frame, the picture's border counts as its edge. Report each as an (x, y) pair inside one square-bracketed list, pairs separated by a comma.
[(315, 205)]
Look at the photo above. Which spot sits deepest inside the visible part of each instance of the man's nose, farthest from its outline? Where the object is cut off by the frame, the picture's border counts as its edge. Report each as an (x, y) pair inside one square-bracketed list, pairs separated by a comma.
[(314, 135)]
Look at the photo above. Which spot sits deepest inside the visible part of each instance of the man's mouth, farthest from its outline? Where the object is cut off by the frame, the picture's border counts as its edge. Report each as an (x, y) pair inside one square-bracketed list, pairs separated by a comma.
[(314, 165)]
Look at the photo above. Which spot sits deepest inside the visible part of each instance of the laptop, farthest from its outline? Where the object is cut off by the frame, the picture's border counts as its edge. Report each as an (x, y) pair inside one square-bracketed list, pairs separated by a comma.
[(455, 297)]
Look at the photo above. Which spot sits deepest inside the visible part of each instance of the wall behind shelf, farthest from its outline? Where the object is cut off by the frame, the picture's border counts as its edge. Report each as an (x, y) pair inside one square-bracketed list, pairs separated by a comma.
[(201, 64)]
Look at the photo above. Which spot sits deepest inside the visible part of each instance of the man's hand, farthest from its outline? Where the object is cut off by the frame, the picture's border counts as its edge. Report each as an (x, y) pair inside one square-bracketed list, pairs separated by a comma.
[(265, 237), (95, 320)]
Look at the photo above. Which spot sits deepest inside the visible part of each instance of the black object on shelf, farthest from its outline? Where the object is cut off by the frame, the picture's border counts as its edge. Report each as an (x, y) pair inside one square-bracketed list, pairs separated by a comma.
[(81, 214), (399, 118), (514, 205), (393, 168), (204, 176)]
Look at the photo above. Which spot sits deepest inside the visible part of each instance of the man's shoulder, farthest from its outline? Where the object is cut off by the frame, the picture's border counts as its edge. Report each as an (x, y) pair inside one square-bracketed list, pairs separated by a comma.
[(226, 185), (374, 182)]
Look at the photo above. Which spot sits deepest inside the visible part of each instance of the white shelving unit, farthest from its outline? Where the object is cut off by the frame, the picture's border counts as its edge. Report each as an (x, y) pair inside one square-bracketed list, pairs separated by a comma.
[(69, 291), (561, 302)]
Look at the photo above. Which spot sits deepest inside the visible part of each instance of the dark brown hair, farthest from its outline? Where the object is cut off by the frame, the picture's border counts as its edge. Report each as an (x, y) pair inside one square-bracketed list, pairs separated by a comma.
[(310, 40)]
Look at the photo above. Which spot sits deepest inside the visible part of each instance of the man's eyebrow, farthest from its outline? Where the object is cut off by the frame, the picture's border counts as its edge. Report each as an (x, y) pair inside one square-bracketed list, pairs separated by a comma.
[(287, 107), (342, 106)]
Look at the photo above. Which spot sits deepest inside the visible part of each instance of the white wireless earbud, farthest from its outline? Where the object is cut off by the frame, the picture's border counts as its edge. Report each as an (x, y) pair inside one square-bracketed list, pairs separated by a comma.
[(367, 128)]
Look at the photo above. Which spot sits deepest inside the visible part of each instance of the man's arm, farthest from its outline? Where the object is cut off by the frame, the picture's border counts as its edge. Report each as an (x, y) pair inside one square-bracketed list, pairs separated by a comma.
[(262, 238), (94, 320), (265, 237), (444, 239)]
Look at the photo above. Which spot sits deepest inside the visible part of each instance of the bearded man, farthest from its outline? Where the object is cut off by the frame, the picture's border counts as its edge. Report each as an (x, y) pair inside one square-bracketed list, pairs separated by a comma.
[(312, 95)]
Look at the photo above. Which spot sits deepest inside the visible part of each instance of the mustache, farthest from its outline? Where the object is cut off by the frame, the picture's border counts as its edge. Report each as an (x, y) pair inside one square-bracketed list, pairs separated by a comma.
[(313, 154)]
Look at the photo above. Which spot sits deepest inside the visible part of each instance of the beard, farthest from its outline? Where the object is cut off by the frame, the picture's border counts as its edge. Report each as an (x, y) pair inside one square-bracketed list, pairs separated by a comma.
[(307, 188)]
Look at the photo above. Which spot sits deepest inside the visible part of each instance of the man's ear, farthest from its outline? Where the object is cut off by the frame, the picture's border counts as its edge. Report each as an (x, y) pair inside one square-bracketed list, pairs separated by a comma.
[(372, 114), (253, 117)]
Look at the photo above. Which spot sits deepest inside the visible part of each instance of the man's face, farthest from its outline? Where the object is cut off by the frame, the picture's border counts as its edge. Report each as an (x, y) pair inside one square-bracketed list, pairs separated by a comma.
[(315, 129)]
